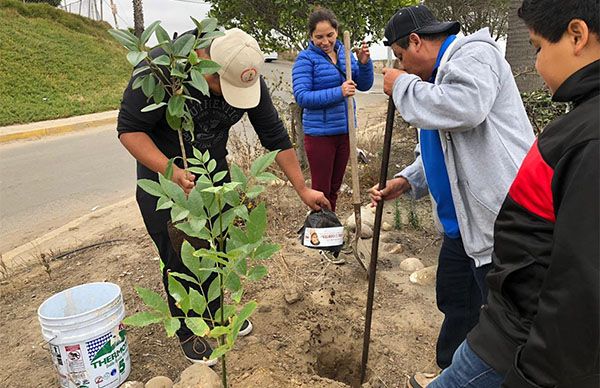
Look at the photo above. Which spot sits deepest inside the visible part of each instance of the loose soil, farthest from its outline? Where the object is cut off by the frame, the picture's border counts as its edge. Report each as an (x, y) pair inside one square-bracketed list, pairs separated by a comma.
[(308, 329)]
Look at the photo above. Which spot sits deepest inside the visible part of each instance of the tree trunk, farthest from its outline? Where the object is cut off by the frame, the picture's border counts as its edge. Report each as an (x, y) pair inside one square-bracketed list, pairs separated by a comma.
[(138, 17), (519, 52)]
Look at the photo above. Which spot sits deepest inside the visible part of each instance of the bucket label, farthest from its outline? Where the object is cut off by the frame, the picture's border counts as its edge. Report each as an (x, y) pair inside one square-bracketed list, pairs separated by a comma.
[(102, 362)]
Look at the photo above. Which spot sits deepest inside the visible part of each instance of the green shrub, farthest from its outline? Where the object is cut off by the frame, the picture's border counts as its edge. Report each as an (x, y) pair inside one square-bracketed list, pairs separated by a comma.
[(541, 109), (54, 3)]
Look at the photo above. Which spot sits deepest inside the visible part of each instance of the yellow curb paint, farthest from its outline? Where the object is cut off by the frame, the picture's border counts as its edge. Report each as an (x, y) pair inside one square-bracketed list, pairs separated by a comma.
[(56, 130)]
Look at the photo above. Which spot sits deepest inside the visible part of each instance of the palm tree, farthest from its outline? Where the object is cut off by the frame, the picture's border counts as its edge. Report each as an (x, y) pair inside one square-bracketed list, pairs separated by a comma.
[(519, 52), (138, 18)]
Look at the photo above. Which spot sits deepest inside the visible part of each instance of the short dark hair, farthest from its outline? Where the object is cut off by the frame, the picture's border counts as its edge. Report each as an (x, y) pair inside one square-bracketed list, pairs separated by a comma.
[(403, 42), (321, 15), (550, 18)]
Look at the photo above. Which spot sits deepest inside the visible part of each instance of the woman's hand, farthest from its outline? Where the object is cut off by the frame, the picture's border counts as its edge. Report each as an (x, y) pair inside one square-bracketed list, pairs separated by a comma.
[(363, 54), (348, 89)]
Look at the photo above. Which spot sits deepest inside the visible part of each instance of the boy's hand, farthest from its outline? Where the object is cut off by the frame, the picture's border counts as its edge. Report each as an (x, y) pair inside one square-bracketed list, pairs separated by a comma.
[(393, 189), (184, 179), (314, 199)]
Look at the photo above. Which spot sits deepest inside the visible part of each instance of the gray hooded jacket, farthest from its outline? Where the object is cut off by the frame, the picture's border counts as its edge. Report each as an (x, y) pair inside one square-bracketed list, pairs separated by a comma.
[(484, 131)]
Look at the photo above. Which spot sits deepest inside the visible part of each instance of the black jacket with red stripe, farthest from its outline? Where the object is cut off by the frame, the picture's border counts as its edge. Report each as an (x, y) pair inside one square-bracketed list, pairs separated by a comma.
[(541, 324)]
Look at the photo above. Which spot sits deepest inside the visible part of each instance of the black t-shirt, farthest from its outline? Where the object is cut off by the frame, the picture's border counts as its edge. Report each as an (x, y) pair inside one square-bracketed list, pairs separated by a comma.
[(213, 118)]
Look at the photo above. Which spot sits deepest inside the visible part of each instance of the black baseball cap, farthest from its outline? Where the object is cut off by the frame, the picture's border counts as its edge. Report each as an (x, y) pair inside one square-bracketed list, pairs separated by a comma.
[(417, 19)]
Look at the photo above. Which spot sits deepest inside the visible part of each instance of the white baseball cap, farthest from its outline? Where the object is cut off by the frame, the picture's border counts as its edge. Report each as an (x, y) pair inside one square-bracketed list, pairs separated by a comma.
[(241, 60)]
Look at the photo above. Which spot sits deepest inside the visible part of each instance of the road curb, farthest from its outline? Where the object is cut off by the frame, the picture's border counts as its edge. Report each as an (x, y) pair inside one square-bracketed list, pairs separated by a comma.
[(53, 128)]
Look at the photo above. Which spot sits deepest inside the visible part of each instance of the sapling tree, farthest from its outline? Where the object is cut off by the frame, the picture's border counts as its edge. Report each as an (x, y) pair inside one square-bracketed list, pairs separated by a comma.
[(215, 211)]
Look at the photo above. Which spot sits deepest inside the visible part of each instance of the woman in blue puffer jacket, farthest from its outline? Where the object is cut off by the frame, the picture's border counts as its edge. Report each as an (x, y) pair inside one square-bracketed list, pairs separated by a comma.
[(320, 88)]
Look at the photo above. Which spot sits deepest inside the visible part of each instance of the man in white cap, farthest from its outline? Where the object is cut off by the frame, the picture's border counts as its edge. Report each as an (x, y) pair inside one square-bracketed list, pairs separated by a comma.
[(238, 88)]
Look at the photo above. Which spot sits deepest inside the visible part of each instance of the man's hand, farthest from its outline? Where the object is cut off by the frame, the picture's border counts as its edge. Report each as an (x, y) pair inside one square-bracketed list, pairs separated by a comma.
[(393, 189), (314, 199), (389, 77), (184, 179)]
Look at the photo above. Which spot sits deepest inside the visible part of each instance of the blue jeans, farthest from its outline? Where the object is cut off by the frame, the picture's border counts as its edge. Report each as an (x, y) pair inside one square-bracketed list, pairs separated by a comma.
[(467, 371), (460, 291)]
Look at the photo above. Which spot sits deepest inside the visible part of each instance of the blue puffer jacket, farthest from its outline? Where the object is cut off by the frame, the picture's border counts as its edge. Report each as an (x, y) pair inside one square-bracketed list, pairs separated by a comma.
[(317, 89)]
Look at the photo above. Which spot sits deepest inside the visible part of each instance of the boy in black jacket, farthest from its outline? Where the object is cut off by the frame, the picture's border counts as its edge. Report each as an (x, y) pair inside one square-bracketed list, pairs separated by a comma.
[(540, 327)]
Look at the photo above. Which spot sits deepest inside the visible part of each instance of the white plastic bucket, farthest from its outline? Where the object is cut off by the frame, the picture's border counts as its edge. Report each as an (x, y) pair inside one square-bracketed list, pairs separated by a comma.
[(83, 328)]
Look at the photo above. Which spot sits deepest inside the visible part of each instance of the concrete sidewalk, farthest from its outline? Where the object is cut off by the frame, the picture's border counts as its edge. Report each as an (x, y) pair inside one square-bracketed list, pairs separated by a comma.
[(55, 127)]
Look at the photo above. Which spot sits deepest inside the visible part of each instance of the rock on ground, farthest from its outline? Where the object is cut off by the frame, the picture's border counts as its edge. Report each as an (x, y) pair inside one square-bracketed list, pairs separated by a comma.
[(132, 384), (159, 382), (425, 276), (199, 376), (411, 264)]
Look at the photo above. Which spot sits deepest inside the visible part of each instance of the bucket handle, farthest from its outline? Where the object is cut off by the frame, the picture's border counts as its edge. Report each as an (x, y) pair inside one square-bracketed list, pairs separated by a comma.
[(44, 344)]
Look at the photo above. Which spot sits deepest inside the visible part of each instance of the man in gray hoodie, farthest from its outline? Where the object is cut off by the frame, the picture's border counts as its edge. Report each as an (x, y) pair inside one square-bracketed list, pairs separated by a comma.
[(474, 133)]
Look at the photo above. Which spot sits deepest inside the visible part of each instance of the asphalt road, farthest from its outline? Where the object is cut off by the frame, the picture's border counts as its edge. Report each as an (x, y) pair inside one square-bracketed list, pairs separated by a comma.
[(47, 183)]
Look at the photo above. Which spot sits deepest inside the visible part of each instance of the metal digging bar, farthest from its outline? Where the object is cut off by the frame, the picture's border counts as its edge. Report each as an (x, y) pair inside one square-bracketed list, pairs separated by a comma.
[(353, 155), (385, 159)]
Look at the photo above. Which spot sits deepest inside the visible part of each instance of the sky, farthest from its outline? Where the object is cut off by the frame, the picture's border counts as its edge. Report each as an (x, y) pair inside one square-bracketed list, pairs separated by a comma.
[(174, 16)]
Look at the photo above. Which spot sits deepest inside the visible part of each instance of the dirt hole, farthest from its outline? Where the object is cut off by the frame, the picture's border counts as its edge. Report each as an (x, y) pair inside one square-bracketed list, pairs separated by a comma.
[(338, 357)]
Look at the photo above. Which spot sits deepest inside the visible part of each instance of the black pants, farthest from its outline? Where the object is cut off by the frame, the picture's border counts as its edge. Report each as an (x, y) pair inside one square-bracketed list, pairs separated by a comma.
[(156, 225), (460, 293)]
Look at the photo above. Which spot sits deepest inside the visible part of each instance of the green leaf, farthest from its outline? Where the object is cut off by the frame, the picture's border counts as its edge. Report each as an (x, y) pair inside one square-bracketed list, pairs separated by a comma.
[(140, 70), (137, 83), (148, 85), (151, 187), (257, 223), (169, 170), (178, 72), (153, 300), (241, 211), (266, 177), (198, 170), (219, 176), (178, 292), (264, 251), (198, 223), (144, 318), (191, 261), (164, 203), (183, 45), (208, 25), (196, 203), (193, 57), (197, 302), (176, 105), (237, 296), (261, 164), (197, 326), (199, 82), (207, 66), (162, 60), (206, 156), (185, 277), (135, 57), (173, 121), (219, 351), (171, 326), (194, 161), (178, 213), (212, 164), (219, 331), (232, 282), (228, 312), (214, 290), (258, 272), (124, 37), (149, 31), (237, 175), (244, 314), (254, 191), (172, 190), (159, 95), (152, 107), (162, 36)]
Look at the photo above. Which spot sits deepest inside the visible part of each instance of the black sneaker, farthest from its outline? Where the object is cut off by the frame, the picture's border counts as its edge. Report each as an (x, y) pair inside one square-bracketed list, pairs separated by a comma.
[(245, 329), (197, 350)]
